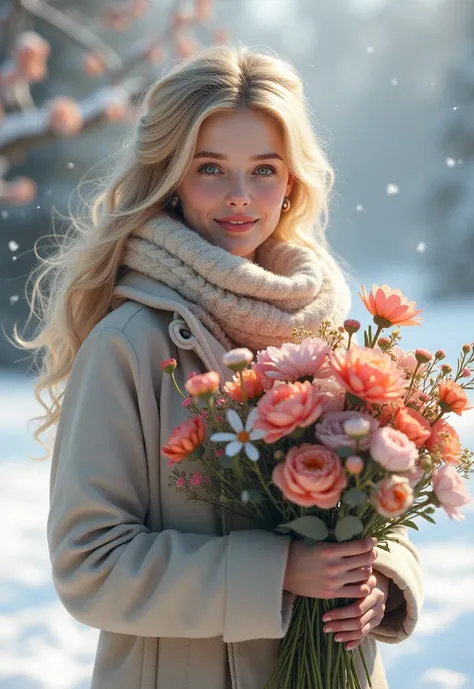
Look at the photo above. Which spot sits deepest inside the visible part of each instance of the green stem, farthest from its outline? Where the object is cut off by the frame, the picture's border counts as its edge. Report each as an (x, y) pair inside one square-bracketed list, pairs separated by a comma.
[(177, 386), (242, 387)]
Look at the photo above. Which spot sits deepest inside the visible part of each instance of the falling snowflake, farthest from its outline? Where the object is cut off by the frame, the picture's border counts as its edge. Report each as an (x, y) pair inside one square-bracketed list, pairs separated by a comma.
[(450, 162), (49, 192), (14, 299), (392, 189), (71, 166), (359, 208), (13, 246), (370, 49), (421, 247), (14, 258), (5, 215), (394, 81), (38, 206), (456, 107)]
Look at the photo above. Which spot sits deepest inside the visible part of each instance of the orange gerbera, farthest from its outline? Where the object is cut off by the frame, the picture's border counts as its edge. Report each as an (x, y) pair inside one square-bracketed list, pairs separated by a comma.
[(452, 397), (390, 305), (185, 439)]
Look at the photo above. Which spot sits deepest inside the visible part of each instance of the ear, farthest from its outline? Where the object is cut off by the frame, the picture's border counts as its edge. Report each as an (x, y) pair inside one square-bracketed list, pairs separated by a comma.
[(290, 185)]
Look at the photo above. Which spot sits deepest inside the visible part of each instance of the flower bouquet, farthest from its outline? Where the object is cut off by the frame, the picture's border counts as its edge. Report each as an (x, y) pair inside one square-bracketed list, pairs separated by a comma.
[(328, 440)]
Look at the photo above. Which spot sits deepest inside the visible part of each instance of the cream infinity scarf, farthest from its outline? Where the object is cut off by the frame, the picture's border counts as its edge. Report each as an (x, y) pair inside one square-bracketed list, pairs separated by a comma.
[(242, 303)]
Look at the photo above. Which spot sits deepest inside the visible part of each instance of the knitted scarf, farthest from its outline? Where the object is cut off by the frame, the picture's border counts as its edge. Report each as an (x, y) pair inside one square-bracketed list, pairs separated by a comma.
[(242, 303)]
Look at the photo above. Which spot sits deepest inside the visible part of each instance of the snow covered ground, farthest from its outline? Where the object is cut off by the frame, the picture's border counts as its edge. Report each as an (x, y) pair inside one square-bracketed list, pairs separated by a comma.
[(42, 647)]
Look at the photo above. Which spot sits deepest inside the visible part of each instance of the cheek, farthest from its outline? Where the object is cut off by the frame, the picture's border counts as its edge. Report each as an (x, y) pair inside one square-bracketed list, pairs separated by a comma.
[(269, 197)]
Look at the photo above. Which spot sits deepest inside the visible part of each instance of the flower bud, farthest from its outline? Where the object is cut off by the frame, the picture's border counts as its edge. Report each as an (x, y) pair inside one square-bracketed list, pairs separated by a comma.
[(440, 354), (351, 326), (279, 455), (466, 348), (423, 356), (168, 365), (203, 385), (356, 428), (446, 369), (354, 465), (237, 359), (383, 343), (466, 373)]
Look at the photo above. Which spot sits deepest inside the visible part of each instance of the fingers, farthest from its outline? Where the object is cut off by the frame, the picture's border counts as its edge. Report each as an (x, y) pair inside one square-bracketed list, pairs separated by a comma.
[(360, 574), (352, 624), (354, 610), (338, 550)]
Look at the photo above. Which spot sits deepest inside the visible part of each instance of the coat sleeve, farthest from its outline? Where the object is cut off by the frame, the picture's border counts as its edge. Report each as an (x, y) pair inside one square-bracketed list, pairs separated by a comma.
[(109, 570), (405, 597)]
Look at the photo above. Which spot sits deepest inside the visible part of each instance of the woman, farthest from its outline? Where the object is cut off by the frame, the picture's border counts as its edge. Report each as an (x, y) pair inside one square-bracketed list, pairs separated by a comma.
[(211, 235)]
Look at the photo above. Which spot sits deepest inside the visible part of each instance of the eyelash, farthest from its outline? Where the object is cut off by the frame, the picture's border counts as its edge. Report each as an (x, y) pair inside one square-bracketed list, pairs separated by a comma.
[(202, 168)]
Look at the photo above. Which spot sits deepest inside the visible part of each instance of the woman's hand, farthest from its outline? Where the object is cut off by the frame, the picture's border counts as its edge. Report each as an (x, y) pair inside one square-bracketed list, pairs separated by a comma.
[(330, 570), (352, 623)]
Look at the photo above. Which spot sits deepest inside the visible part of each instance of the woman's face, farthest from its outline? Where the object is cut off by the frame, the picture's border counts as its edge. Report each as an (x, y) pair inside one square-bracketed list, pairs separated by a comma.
[(238, 169)]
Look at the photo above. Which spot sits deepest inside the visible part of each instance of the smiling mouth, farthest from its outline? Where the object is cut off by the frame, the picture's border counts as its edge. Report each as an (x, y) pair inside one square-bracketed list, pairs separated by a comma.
[(237, 228)]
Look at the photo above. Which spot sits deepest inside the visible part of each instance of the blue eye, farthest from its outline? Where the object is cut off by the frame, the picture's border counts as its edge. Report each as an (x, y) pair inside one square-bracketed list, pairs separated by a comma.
[(202, 169)]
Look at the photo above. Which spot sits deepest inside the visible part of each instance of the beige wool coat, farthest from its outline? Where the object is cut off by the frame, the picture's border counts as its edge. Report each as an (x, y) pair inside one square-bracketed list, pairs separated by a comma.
[(182, 600)]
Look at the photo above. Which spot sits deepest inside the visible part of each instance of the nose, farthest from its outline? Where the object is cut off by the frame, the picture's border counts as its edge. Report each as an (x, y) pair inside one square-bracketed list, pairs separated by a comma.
[(238, 196)]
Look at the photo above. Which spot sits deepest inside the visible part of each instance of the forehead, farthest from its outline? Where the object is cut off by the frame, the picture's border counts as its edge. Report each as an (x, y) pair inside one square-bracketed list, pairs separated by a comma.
[(240, 132)]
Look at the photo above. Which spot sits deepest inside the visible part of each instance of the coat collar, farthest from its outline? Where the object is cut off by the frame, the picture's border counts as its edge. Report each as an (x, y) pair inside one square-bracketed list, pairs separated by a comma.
[(145, 290)]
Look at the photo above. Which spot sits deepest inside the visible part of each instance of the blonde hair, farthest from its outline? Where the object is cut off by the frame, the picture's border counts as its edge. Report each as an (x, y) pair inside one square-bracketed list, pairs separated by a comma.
[(73, 287)]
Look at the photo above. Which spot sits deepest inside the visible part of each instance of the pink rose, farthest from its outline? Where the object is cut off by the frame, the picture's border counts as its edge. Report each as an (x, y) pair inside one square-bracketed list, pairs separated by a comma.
[(451, 490), (392, 496), (414, 476), (286, 407), (311, 475), (292, 361), (332, 392), (330, 430), (393, 450)]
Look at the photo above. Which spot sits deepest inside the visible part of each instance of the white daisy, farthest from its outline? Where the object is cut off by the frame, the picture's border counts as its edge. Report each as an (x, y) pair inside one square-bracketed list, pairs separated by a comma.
[(243, 436)]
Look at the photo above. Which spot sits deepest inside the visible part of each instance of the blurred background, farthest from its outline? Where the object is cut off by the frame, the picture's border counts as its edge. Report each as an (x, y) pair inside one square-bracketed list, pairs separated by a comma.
[(391, 89)]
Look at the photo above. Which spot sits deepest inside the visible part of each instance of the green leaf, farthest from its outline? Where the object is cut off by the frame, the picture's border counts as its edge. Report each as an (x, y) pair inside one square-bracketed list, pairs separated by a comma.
[(411, 524), (355, 496), (427, 517), (345, 451), (383, 546), (347, 527), (308, 526)]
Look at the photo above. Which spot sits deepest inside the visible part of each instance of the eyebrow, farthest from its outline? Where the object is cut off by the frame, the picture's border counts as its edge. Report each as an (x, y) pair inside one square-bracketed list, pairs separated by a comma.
[(219, 156)]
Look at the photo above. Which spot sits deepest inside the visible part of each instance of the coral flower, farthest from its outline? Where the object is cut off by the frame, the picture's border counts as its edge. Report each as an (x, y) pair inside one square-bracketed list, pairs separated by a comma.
[(369, 374), (185, 439), (203, 385), (412, 424), (287, 407), (444, 442), (311, 475), (392, 496), (252, 386), (452, 397), (390, 305)]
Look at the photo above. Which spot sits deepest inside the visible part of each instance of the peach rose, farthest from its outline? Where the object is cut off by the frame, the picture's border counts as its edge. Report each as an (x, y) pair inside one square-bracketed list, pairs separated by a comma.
[(311, 475), (286, 407), (368, 374), (451, 491), (392, 496), (391, 305), (252, 386), (412, 424), (185, 439), (393, 450), (452, 397), (444, 442)]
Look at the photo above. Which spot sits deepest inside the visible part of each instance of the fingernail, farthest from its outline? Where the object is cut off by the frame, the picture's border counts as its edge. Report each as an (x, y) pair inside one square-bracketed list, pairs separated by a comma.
[(328, 629), (338, 638), (374, 540), (327, 618)]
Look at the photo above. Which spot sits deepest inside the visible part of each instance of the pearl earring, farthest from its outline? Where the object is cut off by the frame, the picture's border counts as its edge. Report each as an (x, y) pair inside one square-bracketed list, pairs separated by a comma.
[(174, 202), (286, 205)]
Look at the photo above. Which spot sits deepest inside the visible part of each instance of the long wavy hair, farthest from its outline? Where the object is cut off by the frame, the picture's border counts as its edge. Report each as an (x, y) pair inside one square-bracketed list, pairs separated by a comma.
[(72, 287)]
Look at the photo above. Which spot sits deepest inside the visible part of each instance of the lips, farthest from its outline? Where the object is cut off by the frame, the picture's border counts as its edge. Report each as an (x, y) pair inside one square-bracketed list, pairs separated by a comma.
[(237, 229)]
